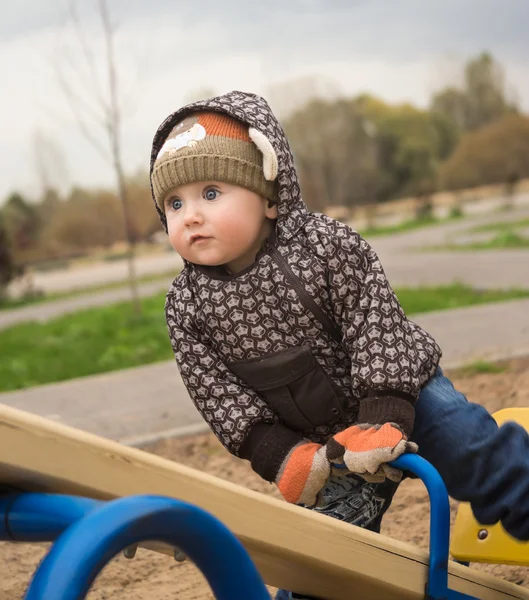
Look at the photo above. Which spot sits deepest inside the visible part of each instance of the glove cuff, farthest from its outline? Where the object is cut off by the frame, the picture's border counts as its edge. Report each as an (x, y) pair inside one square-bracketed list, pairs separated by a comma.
[(303, 474), (267, 446), (382, 408)]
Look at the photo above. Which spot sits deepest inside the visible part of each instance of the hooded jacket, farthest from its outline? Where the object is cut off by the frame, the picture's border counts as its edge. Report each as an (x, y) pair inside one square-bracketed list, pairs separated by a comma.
[(308, 340)]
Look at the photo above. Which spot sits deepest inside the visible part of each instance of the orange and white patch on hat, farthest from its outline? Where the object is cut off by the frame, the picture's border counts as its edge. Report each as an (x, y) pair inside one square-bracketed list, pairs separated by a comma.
[(195, 128)]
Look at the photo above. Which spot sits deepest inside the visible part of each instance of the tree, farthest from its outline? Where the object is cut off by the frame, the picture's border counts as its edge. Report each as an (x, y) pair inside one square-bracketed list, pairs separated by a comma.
[(493, 154), (485, 90), (23, 224), (145, 221), (362, 150), (483, 98), (50, 163), (87, 219), (411, 144), (447, 134), (50, 203), (452, 103), (335, 151), (7, 266), (100, 104)]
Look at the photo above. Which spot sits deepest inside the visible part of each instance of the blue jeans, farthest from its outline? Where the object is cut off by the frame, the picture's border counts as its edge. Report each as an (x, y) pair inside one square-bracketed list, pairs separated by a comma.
[(480, 463)]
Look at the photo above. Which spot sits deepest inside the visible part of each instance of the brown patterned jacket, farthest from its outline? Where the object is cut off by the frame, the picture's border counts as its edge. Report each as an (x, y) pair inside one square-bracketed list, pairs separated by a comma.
[(307, 341)]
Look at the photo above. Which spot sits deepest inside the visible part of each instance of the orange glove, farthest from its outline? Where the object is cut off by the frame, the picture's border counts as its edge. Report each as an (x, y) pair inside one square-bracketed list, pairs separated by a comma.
[(304, 473), (366, 450)]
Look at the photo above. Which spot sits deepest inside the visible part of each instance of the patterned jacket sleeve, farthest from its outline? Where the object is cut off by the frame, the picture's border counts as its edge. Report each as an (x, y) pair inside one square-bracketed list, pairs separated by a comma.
[(387, 353), (239, 418)]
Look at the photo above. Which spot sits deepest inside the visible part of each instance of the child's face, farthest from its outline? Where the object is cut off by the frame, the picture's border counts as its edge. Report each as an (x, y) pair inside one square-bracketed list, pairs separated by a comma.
[(215, 223)]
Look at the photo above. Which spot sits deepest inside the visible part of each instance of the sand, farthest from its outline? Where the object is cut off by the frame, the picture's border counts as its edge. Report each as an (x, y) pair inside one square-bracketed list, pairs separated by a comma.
[(150, 575)]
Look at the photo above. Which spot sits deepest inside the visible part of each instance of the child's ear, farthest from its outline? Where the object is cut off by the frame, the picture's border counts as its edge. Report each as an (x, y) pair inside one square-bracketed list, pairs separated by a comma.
[(271, 209), (270, 165)]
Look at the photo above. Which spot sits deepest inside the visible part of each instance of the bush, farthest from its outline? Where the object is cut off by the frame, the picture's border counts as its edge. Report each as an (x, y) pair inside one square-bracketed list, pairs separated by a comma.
[(492, 154), (456, 212)]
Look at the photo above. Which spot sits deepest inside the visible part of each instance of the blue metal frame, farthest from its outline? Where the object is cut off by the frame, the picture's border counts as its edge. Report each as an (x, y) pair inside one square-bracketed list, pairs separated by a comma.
[(89, 533), (437, 585), (85, 547), (36, 517)]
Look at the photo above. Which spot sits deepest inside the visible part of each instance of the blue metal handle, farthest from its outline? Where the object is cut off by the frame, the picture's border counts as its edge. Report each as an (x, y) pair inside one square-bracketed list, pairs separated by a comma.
[(34, 517), (439, 522), (83, 549), (437, 586)]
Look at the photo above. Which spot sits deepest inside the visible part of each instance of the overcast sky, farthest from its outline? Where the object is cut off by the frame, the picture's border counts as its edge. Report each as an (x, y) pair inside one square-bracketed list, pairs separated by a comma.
[(400, 50)]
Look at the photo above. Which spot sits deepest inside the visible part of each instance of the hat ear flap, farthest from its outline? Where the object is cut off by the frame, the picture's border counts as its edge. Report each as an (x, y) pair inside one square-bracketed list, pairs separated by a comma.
[(270, 165)]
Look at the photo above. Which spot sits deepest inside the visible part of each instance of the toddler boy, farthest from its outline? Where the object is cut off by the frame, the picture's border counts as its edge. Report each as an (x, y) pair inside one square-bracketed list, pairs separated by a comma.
[(292, 343)]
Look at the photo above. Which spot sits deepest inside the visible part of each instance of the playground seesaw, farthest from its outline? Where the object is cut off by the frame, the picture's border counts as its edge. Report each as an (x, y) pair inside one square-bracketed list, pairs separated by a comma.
[(94, 498)]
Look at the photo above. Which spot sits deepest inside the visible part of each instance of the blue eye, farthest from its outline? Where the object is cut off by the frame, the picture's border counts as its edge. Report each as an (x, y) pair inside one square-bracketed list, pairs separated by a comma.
[(211, 194), (176, 204)]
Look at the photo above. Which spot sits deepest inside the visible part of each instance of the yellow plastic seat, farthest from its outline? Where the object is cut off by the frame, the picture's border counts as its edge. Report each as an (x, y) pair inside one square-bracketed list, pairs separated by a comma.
[(472, 542)]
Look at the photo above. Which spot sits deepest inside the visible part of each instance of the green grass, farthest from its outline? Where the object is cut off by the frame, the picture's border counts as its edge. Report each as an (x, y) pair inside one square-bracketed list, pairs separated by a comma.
[(110, 338), (83, 343), (479, 367), (400, 227), (457, 295), (504, 240), (409, 225), (9, 304), (502, 226), (507, 237)]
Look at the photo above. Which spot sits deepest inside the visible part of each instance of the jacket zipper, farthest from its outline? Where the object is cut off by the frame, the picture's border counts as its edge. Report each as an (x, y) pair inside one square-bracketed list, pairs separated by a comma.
[(304, 297)]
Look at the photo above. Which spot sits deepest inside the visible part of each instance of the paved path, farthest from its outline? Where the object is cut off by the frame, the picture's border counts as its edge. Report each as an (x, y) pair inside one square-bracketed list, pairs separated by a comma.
[(118, 405), (504, 269), (99, 274), (405, 263), (45, 311), (147, 400), (485, 270)]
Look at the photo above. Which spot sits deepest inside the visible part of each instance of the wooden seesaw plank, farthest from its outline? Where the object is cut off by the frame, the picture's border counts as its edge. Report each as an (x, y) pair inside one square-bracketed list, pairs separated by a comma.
[(292, 547)]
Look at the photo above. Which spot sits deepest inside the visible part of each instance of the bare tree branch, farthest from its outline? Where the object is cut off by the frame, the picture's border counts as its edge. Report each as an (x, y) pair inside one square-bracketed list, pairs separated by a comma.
[(80, 99), (109, 121), (88, 91), (89, 58), (130, 94), (114, 131), (114, 116), (76, 107)]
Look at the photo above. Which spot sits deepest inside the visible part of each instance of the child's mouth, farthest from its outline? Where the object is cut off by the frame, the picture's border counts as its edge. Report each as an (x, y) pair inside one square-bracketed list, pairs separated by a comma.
[(199, 238)]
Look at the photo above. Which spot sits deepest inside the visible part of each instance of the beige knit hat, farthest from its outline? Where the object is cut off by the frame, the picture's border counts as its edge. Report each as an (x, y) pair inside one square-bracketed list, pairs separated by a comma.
[(211, 146)]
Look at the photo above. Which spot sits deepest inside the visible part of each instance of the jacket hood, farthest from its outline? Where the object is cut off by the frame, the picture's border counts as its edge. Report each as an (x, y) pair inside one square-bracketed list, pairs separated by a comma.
[(256, 113)]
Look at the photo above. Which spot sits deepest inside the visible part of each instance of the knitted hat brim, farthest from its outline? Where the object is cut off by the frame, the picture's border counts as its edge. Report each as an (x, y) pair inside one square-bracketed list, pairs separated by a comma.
[(228, 161)]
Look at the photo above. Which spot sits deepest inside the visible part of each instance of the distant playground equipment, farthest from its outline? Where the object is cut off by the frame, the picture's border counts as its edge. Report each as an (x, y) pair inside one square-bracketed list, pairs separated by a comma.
[(95, 498)]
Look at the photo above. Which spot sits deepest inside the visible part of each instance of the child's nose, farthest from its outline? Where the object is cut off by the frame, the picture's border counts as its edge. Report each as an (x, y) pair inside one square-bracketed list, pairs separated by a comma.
[(192, 215)]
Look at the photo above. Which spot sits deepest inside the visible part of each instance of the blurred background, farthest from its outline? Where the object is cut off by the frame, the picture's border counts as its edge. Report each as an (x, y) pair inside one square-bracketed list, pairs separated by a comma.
[(382, 101), (408, 120)]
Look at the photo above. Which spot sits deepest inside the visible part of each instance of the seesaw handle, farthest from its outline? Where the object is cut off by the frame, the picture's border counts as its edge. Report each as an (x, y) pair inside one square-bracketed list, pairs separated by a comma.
[(85, 548), (439, 520), (437, 587)]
